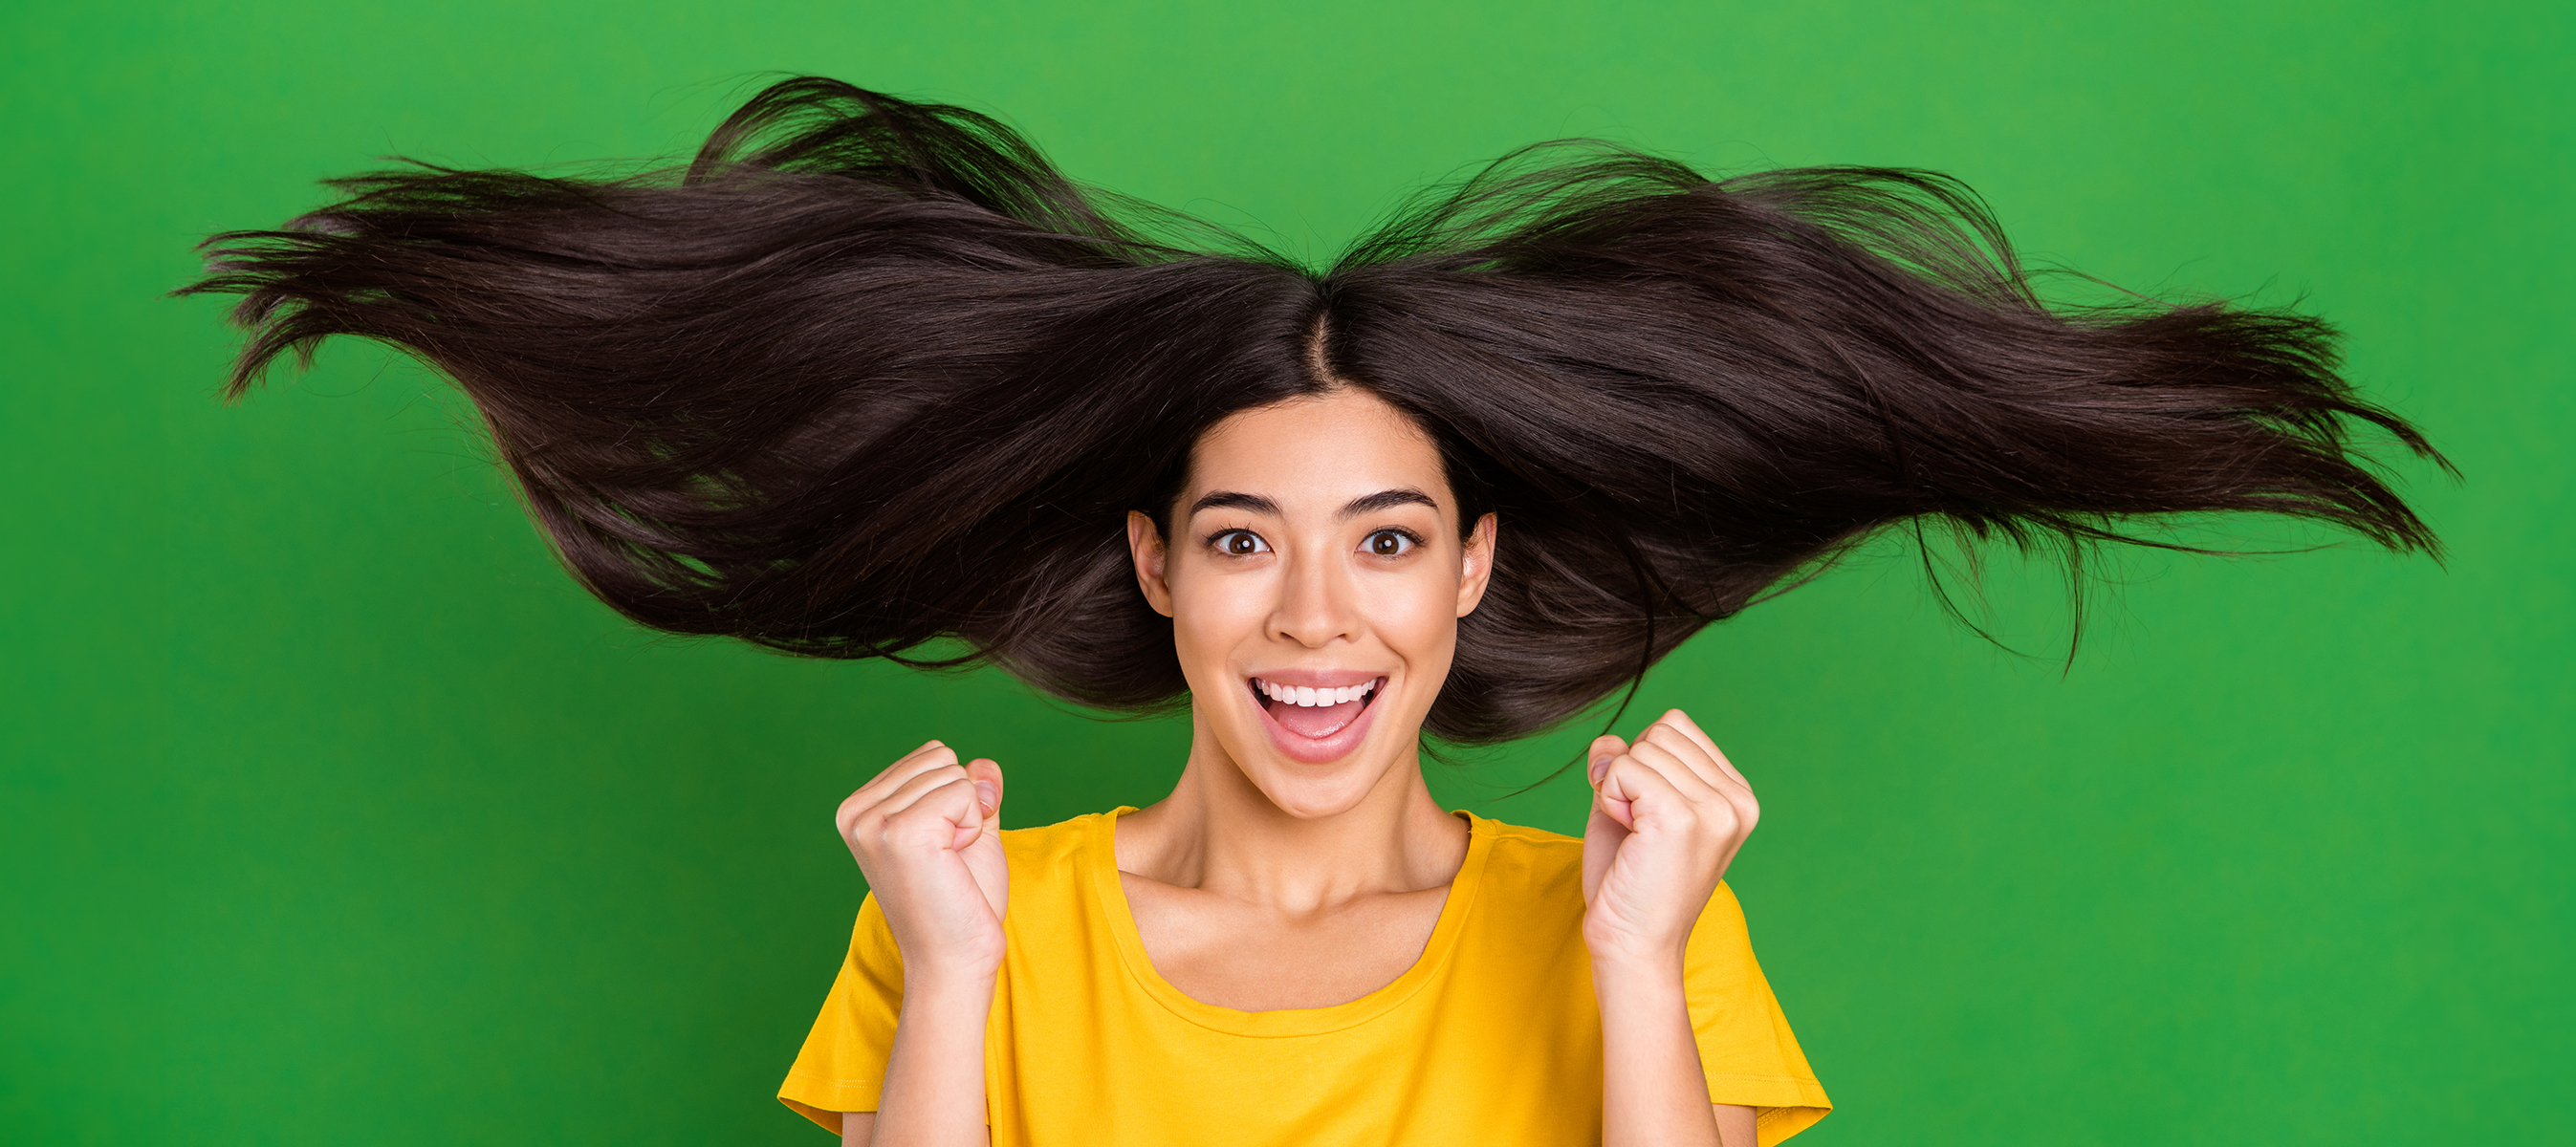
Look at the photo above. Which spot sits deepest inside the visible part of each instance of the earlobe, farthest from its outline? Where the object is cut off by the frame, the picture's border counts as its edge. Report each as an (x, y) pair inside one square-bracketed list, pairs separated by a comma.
[(1477, 564), (1145, 546)]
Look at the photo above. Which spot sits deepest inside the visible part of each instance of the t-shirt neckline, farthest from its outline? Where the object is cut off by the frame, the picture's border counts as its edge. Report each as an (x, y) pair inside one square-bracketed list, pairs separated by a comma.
[(1098, 859)]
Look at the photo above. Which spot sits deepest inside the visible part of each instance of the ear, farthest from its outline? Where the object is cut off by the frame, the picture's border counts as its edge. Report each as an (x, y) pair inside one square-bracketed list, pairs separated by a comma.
[(1476, 567), (1145, 544)]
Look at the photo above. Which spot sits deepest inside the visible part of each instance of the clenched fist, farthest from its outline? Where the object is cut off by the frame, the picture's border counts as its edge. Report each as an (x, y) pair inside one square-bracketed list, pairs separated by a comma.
[(924, 833), (1668, 814)]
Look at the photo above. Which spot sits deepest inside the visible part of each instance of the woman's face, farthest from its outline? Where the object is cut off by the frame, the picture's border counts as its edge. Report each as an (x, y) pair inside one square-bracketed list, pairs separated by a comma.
[(1315, 577)]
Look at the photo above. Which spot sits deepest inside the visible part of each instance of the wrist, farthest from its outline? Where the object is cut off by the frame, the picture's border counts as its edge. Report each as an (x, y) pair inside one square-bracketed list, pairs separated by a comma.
[(1643, 968), (1616, 949), (964, 962), (934, 990)]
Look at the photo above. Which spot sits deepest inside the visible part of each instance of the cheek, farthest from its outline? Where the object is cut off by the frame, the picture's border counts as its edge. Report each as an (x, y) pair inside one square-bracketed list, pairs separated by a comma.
[(1417, 618), (1211, 618)]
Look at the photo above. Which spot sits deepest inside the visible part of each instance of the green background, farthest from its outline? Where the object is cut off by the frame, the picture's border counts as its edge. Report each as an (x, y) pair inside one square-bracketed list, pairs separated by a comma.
[(332, 812)]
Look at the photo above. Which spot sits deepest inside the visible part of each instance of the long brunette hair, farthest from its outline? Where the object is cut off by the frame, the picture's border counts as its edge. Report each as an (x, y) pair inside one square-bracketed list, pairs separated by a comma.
[(870, 373)]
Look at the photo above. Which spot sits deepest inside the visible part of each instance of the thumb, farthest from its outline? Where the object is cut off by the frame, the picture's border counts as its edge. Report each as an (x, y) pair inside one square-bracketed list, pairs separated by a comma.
[(988, 785), (1609, 804), (1597, 758), (985, 782)]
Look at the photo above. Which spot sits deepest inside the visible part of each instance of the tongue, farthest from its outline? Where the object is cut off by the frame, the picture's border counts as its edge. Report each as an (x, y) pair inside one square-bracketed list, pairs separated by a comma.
[(1319, 721)]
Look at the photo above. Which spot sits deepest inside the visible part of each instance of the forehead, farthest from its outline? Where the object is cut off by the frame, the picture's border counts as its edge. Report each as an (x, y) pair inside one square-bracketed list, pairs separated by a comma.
[(1332, 446)]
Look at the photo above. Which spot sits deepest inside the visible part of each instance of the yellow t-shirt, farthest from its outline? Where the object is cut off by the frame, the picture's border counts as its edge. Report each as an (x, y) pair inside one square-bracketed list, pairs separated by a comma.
[(1492, 1038)]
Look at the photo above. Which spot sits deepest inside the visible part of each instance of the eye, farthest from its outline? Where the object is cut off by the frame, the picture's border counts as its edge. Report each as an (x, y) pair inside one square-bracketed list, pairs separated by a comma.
[(1388, 543), (1240, 543)]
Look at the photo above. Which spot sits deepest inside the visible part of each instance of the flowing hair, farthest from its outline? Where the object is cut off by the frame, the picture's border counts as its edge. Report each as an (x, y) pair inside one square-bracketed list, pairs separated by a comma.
[(868, 374)]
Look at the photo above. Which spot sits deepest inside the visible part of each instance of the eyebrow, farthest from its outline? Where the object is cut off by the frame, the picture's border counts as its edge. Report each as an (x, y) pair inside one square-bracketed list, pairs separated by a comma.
[(1221, 499), (1364, 504), (1387, 500)]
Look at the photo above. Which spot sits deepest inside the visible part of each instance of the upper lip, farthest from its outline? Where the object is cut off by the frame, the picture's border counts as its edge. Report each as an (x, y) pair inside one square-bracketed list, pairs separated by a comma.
[(1318, 678)]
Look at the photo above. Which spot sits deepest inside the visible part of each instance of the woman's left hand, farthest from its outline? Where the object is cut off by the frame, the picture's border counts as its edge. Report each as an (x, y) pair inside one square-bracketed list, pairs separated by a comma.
[(1668, 814)]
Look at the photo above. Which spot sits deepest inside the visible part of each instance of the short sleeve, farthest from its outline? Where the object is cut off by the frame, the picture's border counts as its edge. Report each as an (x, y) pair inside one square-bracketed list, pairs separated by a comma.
[(1745, 1046), (844, 1058)]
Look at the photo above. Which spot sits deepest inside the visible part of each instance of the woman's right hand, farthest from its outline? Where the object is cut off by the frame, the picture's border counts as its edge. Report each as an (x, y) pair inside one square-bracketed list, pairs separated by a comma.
[(925, 834)]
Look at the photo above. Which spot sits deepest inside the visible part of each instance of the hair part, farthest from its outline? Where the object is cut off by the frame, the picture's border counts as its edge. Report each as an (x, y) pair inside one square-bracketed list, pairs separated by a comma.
[(1467, 494), (870, 373)]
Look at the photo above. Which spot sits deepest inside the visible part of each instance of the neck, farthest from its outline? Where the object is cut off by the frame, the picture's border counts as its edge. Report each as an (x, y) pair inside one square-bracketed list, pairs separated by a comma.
[(1218, 832)]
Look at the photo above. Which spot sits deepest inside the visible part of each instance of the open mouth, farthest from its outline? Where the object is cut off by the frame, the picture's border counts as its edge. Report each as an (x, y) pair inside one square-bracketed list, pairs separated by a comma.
[(1316, 718)]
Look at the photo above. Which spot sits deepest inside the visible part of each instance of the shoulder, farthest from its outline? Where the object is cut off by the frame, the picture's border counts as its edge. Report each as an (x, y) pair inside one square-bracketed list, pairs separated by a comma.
[(1063, 878), (1057, 846), (1060, 856), (1530, 865), (1537, 868), (1524, 844)]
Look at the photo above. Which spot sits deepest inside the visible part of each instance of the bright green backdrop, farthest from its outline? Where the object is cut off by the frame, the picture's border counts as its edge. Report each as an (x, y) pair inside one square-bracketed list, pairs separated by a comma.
[(332, 812)]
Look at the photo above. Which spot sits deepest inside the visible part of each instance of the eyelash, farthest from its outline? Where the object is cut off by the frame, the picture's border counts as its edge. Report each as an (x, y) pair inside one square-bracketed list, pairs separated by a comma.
[(1411, 540), (1217, 541)]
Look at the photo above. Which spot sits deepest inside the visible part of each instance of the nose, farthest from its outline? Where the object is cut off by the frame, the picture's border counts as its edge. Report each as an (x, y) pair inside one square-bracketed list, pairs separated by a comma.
[(1318, 604)]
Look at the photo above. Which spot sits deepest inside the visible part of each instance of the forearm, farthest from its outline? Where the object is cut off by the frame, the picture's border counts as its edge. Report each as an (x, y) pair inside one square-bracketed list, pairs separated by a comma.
[(1652, 1091), (934, 1082)]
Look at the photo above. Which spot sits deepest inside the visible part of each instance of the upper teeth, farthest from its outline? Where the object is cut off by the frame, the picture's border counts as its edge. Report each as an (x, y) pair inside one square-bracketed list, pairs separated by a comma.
[(1309, 698)]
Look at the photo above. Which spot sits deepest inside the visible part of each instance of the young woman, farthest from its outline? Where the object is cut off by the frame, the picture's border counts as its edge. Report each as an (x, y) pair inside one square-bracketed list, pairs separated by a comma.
[(869, 379)]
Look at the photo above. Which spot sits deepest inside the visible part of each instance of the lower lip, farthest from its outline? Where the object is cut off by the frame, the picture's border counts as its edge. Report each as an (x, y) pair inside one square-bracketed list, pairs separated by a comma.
[(1323, 750)]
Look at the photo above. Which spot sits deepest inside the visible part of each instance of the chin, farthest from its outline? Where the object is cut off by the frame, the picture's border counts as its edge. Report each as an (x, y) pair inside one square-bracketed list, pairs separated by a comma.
[(1311, 797)]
